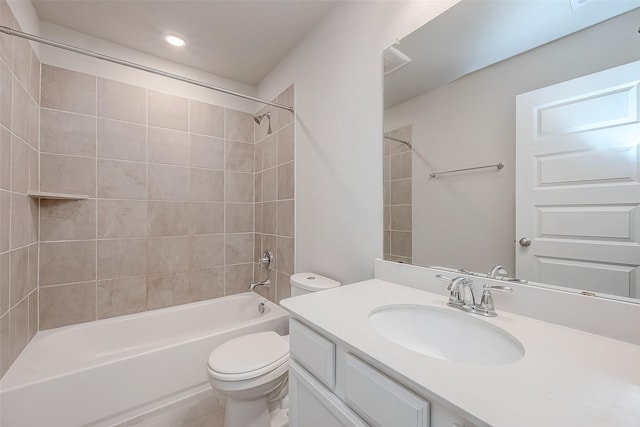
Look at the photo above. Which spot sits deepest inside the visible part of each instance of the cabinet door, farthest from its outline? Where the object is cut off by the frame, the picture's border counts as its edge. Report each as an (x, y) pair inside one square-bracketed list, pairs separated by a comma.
[(311, 405)]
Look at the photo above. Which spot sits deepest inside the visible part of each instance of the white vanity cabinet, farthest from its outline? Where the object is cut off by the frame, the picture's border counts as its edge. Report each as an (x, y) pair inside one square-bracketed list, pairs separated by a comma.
[(331, 386)]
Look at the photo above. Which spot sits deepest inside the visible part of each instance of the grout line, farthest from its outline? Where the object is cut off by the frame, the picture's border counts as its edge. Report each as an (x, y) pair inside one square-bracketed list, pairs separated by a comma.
[(97, 177)]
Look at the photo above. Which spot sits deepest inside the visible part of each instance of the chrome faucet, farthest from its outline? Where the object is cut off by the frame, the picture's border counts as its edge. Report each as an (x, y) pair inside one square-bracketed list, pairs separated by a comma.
[(498, 269), (266, 283), (461, 295)]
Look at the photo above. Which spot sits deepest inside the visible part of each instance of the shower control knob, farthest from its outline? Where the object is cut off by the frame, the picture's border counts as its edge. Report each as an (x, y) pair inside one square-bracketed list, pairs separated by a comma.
[(525, 242)]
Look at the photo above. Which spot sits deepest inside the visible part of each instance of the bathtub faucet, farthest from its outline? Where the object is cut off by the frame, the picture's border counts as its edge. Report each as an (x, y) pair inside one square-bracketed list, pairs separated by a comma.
[(266, 283)]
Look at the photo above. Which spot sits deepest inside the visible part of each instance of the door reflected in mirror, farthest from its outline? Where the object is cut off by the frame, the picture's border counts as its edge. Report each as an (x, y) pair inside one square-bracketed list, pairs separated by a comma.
[(455, 102)]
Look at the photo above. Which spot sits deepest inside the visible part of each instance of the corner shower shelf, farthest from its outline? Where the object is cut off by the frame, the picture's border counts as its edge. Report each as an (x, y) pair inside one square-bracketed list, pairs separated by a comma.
[(57, 196)]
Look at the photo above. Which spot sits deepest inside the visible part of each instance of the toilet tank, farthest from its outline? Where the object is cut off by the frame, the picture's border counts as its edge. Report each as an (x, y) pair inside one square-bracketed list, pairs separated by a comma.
[(303, 283)]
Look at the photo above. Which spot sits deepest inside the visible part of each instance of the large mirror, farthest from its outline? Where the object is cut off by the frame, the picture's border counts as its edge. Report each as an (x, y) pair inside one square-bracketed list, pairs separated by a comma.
[(450, 105)]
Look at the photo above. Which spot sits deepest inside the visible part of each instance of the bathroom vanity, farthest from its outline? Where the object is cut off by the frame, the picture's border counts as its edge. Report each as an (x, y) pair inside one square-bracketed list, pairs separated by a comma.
[(344, 372)]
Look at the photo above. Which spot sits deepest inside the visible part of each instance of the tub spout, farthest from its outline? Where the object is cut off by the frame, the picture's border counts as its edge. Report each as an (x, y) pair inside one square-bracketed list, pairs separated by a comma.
[(266, 283)]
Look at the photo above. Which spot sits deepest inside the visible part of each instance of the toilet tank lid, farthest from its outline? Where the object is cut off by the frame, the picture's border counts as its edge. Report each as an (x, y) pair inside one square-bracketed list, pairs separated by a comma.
[(313, 282)]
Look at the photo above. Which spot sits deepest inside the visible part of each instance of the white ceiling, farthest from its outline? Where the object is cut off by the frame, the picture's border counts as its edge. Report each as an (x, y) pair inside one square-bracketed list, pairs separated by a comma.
[(241, 40), (474, 34)]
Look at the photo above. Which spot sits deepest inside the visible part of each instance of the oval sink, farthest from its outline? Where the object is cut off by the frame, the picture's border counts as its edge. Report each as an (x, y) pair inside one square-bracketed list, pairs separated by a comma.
[(444, 334)]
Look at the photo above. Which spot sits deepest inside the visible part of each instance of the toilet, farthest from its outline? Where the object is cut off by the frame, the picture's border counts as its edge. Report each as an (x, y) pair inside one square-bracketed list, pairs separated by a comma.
[(252, 370)]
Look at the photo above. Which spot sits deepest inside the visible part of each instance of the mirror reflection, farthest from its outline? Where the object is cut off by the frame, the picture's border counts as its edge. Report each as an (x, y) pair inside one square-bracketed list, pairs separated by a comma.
[(451, 90)]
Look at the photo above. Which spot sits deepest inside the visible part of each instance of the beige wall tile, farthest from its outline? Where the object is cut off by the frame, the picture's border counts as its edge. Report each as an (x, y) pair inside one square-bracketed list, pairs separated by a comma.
[(168, 111), (67, 220), (400, 166), (67, 262), (270, 184), (6, 79), (387, 241), (67, 304), (67, 133), (168, 218), (121, 101), (5, 159), (206, 185), (286, 144), (19, 166), (22, 61), (33, 314), (20, 114), (237, 278), (400, 243), (35, 77), (117, 297), (34, 124), (34, 170), (67, 174), (19, 287), (168, 183), (269, 217), (206, 119), (386, 169), (19, 327), (258, 220), (238, 248), (20, 216), (206, 218), (68, 90), (284, 254), (207, 251), (121, 180), (5, 267), (32, 285), (258, 187), (239, 217), (283, 286), (239, 187), (122, 218), (121, 140), (284, 117), (238, 126), (122, 258), (400, 192), (167, 254), (286, 177), (238, 156), (5, 213), (5, 344), (257, 157), (206, 152), (165, 290), (168, 146), (206, 283), (285, 218), (401, 217), (269, 152)]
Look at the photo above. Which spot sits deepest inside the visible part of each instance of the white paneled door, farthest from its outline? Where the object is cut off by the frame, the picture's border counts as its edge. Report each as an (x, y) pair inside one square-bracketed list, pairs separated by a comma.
[(577, 183)]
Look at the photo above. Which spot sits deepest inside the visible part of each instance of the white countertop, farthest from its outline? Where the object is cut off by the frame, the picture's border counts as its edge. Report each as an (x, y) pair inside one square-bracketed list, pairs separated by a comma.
[(566, 378)]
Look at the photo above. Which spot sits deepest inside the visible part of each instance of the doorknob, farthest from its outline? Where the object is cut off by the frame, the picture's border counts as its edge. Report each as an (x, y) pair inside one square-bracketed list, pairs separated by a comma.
[(525, 242)]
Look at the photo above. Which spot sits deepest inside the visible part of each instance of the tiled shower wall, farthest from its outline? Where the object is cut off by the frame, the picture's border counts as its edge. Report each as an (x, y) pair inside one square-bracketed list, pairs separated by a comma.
[(19, 100), (170, 214), (397, 197), (274, 196)]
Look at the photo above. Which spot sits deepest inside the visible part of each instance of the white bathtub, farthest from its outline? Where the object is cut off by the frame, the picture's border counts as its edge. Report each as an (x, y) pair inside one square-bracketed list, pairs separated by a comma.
[(104, 372)]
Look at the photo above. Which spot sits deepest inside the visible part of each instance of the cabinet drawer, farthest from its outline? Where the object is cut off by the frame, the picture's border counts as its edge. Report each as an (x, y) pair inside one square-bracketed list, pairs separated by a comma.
[(314, 352), (311, 405), (381, 401)]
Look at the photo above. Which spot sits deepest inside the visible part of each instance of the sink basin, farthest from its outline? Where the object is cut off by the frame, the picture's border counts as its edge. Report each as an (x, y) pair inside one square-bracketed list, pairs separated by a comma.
[(445, 334)]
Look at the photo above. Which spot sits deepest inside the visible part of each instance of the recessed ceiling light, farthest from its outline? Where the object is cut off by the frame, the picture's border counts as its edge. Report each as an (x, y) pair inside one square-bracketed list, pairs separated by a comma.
[(174, 40)]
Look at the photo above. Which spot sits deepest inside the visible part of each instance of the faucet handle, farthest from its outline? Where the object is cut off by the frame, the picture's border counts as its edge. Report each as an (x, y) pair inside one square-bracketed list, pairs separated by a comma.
[(486, 307)]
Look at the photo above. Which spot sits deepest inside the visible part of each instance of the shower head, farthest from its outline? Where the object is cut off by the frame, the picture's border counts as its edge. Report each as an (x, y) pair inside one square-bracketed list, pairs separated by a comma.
[(258, 120)]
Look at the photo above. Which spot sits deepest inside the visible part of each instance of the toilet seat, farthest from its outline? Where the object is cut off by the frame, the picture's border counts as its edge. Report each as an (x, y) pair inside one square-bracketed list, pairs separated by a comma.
[(248, 356)]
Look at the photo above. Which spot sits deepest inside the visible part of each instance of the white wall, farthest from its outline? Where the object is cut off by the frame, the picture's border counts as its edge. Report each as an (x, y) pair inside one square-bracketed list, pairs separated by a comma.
[(468, 220), (337, 72)]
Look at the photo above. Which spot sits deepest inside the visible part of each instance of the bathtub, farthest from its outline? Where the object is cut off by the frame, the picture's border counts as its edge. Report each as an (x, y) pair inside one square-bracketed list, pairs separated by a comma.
[(104, 372)]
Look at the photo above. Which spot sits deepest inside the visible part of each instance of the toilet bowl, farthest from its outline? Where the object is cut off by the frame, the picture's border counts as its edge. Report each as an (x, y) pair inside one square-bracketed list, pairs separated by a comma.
[(252, 370)]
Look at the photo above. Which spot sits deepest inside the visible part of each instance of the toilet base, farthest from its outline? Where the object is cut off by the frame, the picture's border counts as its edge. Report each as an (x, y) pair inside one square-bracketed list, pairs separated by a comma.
[(254, 413)]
